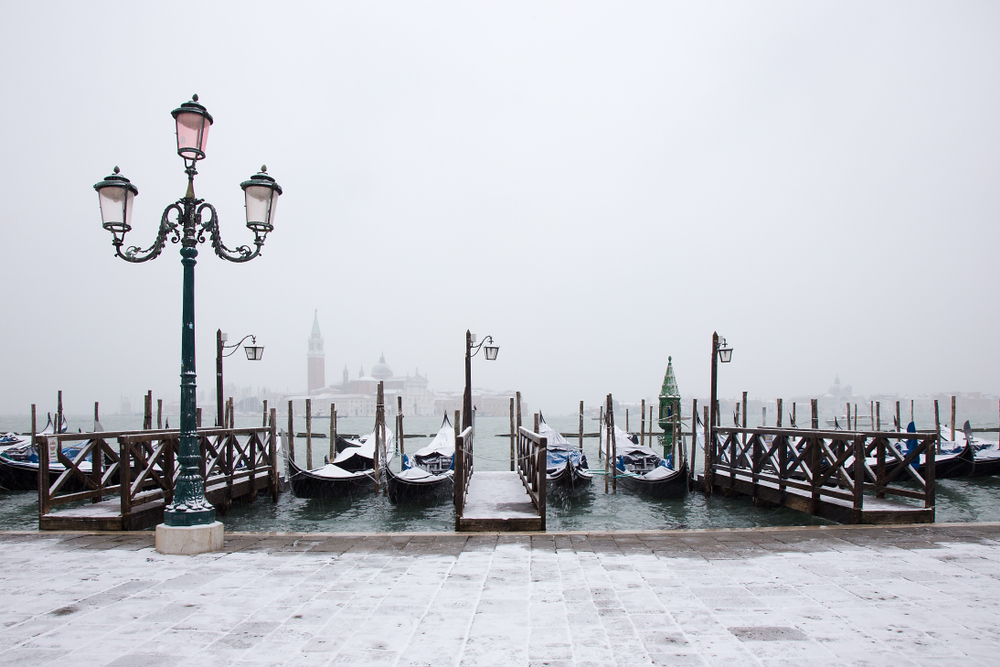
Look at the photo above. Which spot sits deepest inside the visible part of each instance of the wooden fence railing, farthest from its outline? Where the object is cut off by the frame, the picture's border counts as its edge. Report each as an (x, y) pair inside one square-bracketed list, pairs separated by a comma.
[(141, 467), (463, 470), (840, 465), (532, 464)]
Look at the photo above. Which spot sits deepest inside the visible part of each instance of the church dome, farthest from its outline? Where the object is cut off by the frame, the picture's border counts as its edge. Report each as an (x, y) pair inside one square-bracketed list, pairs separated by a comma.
[(381, 370)]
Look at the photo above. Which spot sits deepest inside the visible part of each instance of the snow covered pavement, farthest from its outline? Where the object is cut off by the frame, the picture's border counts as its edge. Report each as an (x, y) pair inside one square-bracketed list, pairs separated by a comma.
[(922, 595)]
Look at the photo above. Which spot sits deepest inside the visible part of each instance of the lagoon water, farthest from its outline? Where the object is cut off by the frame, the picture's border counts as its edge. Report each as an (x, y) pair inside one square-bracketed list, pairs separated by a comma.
[(590, 510)]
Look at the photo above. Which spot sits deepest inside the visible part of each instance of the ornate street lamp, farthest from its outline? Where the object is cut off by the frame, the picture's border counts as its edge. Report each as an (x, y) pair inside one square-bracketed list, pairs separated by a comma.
[(254, 353), (188, 221), (720, 352), (471, 350)]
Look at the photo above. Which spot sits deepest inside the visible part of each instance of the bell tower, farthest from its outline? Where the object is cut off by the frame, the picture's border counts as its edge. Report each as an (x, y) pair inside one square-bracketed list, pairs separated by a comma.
[(316, 358)]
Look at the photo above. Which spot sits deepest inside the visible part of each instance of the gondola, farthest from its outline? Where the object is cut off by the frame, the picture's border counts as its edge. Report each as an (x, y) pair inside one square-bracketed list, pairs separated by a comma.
[(952, 461), (352, 471), (429, 473), (985, 454), (642, 470), (566, 465), (19, 462)]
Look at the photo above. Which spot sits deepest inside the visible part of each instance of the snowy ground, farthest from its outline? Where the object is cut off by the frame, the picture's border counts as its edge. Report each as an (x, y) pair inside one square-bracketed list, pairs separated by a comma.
[(804, 596)]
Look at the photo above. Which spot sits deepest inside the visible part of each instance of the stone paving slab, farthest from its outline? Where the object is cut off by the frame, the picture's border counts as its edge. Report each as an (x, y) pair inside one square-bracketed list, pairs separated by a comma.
[(830, 595)]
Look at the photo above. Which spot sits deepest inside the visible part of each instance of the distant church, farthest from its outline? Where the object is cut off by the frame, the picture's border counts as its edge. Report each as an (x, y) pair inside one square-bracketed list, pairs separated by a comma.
[(315, 358), (356, 398)]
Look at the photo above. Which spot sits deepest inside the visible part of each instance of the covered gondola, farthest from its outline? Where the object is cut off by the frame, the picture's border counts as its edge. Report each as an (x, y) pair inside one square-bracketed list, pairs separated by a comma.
[(643, 471), (352, 472), (429, 473), (566, 465)]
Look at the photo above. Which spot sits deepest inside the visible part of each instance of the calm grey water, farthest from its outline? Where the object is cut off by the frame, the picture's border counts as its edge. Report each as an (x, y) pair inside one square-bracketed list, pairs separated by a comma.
[(958, 500)]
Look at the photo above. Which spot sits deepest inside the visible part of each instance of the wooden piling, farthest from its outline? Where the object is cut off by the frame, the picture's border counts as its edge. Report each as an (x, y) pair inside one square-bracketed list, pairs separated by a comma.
[(264, 423), (197, 418), (613, 454), (147, 411), (291, 433), (607, 442), (333, 432), (275, 487), (97, 414), (309, 434), (642, 424), (694, 441), (581, 426), (814, 407), (878, 415), (794, 422), (937, 424), (707, 465), (159, 413), (899, 424), (651, 426), (513, 437), (626, 420), (600, 445), (778, 423), (399, 429), (536, 422), (871, 408), (953, 419)]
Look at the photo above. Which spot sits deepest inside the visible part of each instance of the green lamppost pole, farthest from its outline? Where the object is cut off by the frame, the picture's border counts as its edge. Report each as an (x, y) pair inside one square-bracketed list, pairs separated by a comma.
[(188, 221), (724, 353), (471, 350)]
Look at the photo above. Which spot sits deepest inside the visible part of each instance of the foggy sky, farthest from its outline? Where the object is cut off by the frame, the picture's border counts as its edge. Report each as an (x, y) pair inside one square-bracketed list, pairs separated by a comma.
[(597, 185)]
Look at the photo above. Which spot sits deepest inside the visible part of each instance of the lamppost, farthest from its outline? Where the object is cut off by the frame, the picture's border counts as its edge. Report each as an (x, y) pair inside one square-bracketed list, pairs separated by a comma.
[(184, 223), (254, 353), (471, 350), (720, 352)]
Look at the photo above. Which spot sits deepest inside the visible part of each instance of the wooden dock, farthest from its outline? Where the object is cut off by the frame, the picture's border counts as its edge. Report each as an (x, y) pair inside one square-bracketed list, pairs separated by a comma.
[(844, 476), (129, 488), (501, 500)]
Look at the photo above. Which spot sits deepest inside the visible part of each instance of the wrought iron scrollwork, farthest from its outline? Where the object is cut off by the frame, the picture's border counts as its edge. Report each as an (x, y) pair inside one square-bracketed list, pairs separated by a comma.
[(241, 253), (136, 255)]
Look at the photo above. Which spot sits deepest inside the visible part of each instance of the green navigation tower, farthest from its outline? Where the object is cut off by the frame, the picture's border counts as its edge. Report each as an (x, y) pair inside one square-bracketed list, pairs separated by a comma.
[(670, 405)]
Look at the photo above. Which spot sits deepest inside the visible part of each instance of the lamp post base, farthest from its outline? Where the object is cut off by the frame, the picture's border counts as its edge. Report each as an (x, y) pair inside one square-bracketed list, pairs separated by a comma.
[(189, 540)]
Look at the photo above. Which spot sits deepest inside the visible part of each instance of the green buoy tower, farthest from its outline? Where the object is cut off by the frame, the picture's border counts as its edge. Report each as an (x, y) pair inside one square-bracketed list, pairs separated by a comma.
[(670, 405)]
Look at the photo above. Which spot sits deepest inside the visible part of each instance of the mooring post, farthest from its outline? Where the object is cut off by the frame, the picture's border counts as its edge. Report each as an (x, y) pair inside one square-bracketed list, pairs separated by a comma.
[(197, 417), (581, 426), (814, 406), (937, 424), (291, 434), (642, 424), (97, 413), (264, 422), (334, 416), (614, 445), (899, 424), (159, 413), (273, 456), (952, 418), (399, 429), (794, 421), (309, 435), (778, 422), (518, 398), (606, 441), (626, 421), (848, 413), (600, 442), (871, 408), (878, 415), (707, 450), (513, 437)]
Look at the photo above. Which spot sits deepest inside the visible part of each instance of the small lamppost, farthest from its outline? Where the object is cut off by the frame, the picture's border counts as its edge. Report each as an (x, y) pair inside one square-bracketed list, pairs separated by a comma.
[(254, 353), (720, 352), (471, 350), (188, 221)]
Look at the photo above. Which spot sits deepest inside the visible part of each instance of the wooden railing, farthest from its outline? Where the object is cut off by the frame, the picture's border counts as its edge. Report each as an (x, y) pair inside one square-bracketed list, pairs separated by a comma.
[(532, 464), (143, 467), (823, 464), (463, 470)]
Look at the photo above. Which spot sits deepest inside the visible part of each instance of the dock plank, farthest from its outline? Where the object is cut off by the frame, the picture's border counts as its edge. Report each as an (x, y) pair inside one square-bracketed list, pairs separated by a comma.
[(498, 501)]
